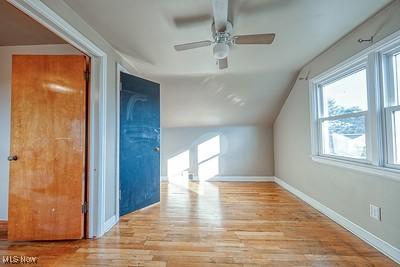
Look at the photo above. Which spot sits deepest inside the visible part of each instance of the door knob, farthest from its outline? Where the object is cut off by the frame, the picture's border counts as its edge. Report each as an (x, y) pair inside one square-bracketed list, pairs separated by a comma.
[(156, 149), (12, 158)]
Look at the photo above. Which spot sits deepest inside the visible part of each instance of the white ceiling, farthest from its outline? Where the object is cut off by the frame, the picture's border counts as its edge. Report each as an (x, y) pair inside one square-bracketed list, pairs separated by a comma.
[(251, 90), (16, 28)]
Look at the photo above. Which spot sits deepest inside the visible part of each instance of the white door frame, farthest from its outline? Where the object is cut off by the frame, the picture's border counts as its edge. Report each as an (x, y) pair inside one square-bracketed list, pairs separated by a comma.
[(97, 106), (120, 69)]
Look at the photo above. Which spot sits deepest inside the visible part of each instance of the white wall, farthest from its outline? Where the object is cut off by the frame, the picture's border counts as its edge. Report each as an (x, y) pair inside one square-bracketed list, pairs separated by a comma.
[(6, 53), (244, 150), (347, 192)]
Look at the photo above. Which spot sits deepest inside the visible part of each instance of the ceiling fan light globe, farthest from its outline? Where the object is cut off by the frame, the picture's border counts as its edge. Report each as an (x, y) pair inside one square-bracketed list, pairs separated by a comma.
[(220, 50)]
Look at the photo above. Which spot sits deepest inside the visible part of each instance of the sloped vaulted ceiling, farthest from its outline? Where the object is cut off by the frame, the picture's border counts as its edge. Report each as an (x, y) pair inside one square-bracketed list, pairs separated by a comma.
[(251, 90)]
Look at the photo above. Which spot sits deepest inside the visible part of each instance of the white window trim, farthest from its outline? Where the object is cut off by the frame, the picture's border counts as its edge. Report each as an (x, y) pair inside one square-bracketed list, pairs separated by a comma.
[(390, 135), (390, 101), (316, 91), (376, 120), (393, 174)]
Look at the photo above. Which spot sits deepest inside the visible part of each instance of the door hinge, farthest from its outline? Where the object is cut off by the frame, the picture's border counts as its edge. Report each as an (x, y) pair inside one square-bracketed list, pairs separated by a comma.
[(87, 75), (85, 207)]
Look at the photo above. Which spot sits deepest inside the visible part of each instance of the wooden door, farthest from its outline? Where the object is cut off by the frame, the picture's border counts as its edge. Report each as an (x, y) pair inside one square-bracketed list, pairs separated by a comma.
[(48, 132)]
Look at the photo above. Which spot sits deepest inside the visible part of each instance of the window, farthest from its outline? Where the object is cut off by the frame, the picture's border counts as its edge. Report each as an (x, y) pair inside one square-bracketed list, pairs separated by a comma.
[(355, 111), (343, 113), (396, 144), (392, 106)]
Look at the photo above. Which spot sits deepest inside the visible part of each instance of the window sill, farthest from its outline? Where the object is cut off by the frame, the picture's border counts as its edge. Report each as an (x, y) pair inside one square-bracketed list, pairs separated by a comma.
[(361, 167)]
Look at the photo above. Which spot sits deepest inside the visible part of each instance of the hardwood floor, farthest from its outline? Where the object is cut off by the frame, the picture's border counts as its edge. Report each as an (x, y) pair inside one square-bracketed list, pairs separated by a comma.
[(214, 224), (3, 230)]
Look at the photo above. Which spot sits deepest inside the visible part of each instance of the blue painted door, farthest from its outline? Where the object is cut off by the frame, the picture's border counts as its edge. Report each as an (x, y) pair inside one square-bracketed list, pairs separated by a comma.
[(139, 143)]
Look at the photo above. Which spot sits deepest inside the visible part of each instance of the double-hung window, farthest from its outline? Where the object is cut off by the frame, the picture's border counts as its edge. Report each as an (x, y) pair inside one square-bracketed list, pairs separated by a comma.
[(391, 67), (355, 111), (343, 113)]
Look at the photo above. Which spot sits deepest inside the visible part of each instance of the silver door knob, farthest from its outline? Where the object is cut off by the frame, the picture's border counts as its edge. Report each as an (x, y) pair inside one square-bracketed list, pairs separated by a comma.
[(12, 158), (156, 149)]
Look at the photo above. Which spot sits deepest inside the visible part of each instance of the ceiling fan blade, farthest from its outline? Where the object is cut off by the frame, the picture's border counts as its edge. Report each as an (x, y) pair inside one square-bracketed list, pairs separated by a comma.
[(186, 21), (220, 11), (182, 47), (267, 38), (223, 63)]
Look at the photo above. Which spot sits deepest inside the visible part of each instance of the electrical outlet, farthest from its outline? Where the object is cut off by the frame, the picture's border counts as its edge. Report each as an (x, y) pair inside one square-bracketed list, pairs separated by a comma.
[(375, 212)]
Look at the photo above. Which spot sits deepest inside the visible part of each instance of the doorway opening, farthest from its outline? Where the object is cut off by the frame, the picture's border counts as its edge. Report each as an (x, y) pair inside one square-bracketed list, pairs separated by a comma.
[(29, 47)]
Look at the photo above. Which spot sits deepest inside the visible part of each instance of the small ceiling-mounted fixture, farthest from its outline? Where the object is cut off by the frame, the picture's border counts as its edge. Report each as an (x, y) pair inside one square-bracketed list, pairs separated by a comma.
[(223, 39)]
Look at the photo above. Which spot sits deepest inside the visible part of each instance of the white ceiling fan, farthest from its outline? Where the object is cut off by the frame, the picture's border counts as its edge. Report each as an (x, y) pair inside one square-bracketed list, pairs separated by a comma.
[(223, 39)]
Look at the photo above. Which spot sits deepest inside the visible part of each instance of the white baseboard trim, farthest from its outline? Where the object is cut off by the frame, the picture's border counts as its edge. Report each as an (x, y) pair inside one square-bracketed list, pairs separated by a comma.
[(381, 245), (110, 223), (222, 178)]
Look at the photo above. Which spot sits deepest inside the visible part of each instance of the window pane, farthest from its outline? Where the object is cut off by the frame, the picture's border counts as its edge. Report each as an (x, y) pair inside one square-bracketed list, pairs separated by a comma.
[(397, 74), (347, 95), (345, 137), (397, 137)]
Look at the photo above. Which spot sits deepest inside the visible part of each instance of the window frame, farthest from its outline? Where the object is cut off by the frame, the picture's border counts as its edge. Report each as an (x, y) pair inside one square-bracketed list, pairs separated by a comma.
[(390, 137), (333, 77), (378, 122), (391, 101)]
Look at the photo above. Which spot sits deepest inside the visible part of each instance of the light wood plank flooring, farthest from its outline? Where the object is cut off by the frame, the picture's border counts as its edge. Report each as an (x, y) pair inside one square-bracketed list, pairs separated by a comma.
[(3, 230), (214, 224)]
